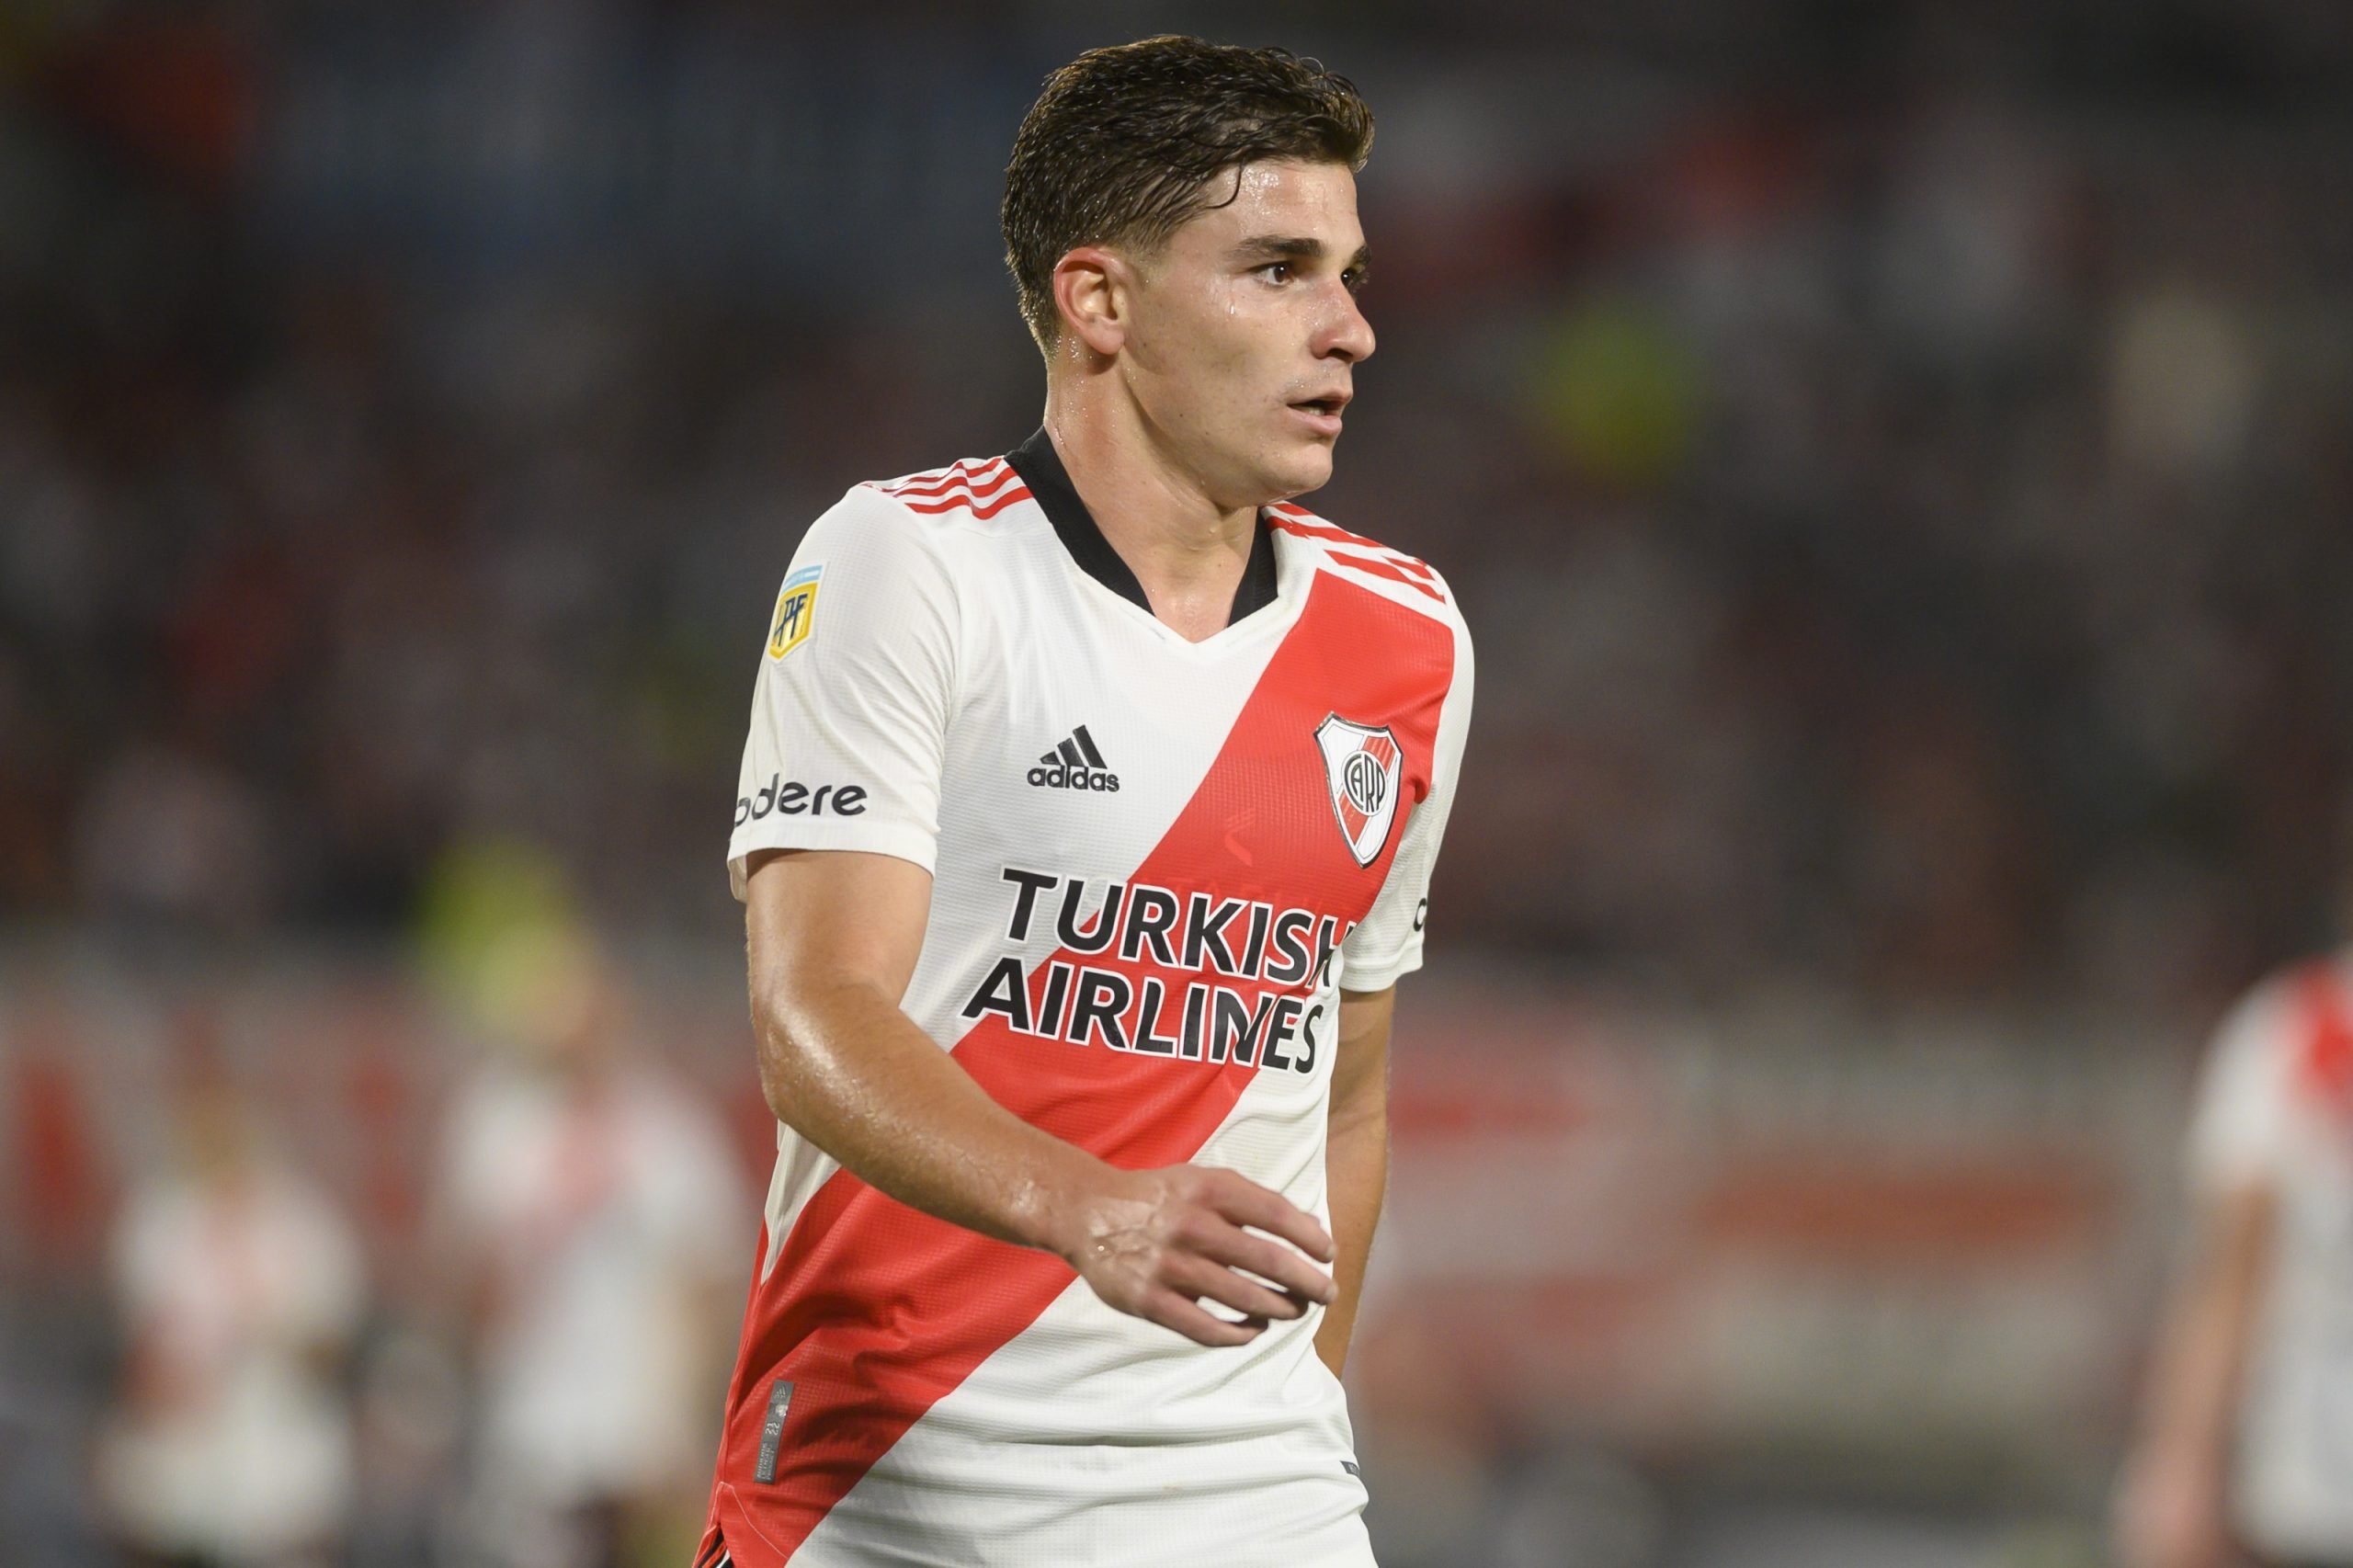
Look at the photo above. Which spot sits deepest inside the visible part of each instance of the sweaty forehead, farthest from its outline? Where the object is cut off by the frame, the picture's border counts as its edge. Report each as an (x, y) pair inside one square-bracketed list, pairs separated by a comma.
[(1280, 196)]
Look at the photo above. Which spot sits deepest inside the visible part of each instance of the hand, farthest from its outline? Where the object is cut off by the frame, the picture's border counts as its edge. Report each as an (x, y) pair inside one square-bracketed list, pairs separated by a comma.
[(1156, 1244), (2170, 1513)]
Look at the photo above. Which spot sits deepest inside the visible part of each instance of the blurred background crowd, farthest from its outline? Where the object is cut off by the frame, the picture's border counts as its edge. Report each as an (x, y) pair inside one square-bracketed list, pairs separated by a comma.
[(1894, 460)]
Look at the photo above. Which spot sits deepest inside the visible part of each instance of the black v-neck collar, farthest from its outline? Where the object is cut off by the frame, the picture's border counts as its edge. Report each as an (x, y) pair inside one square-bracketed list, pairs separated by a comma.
[(1041, 468)]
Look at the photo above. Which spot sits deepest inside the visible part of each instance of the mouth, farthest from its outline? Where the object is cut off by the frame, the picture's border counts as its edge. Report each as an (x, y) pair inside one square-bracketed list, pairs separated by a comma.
[(1322, 412)]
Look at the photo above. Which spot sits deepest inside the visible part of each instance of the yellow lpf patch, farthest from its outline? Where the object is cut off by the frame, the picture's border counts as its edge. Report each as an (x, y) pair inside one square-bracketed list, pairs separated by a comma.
[(796, 612)]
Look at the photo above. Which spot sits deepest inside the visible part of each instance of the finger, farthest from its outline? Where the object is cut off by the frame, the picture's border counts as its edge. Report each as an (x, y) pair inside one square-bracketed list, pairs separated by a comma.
[(1170, 1309), (1271, 1261), (1246, 1203), (1199, 1278)]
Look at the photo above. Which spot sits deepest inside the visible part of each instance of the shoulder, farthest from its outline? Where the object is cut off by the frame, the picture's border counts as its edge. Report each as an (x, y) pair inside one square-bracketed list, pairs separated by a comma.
[(2284, 1051), (1402, 579), (886, 529), (1340, 550), (490, 1114), (918, 518), (959, 496), (2282, 1020), (157, 1214), (2290, 1000)]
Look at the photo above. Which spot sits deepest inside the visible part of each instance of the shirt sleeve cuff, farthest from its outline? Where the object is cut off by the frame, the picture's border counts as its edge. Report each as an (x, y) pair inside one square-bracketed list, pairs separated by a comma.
[(1366, 974), (899, 839)]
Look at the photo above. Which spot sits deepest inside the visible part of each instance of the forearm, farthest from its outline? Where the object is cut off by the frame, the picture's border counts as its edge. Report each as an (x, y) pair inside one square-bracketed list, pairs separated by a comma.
[(842, 1065), (1356, 1165), (2202, 1348), (2188, 1416)]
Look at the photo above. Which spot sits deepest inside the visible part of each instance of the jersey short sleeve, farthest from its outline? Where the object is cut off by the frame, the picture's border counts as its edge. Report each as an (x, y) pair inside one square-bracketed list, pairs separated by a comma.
[(849, 711), (2241, 1122), (1387, 943)]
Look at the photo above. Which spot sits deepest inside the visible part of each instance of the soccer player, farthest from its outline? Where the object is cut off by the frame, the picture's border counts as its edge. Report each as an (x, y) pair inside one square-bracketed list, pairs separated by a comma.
[(1090, 801), (2248, 1435)]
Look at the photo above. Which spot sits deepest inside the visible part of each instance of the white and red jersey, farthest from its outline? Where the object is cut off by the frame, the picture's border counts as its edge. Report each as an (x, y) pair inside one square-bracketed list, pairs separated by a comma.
[(2275, 1111), (1154, 862)]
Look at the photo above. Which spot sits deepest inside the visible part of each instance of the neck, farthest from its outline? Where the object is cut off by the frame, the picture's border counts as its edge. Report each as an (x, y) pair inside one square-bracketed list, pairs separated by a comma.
[(1187, 546)]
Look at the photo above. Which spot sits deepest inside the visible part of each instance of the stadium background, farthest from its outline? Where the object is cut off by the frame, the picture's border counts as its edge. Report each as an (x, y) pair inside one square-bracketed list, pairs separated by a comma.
[(1894, 460)]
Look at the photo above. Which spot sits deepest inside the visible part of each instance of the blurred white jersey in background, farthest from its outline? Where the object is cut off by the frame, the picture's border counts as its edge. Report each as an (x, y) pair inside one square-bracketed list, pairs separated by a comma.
[(2274, 1112), (240, 1285), (603, 1213)]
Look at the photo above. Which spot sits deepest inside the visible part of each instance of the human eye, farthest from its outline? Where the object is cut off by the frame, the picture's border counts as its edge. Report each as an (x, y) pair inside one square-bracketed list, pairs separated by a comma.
[(1274, 271)]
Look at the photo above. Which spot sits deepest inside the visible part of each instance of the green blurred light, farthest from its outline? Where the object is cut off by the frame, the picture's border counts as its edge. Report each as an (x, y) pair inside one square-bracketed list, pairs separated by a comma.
[(500, 937), (1618, 391)]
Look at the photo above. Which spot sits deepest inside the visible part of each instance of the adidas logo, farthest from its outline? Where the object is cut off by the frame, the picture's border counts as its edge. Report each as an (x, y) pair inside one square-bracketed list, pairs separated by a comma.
[(1073, 765)]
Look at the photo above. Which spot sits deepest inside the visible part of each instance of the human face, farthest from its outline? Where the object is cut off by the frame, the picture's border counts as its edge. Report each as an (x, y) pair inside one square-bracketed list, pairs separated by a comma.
[(1245, 332)]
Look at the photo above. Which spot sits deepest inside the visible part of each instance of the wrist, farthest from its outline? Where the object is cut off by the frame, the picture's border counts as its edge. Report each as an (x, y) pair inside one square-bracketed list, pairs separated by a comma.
[(1052, 1208)]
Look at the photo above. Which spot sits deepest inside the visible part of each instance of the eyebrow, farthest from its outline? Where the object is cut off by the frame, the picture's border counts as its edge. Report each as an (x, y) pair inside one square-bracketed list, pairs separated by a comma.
[(1278, 247)]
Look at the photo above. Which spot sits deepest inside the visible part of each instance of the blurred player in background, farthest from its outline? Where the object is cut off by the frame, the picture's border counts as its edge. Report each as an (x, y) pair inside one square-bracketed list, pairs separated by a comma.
[(1091, 796), (242, 1289), (2247, 1439), (595, 1215)]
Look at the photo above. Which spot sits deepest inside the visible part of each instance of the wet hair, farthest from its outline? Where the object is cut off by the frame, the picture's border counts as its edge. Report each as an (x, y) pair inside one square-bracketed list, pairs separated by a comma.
[(1121, 146)]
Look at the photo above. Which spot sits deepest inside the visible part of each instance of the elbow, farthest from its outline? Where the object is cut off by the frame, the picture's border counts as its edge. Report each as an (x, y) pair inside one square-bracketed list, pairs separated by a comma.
[(776, 1091), (813, 1026), (802, 1024)]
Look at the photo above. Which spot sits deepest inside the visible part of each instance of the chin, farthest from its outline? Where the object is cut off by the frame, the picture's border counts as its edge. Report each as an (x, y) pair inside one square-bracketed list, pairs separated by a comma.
[(1297, 473)]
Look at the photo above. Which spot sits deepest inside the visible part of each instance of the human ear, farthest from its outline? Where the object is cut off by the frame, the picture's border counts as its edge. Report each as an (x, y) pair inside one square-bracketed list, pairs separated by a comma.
[(1091, 292)]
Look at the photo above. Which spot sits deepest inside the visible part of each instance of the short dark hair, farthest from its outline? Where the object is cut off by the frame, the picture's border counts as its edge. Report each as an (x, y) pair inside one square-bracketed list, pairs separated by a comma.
[(1121, 146)]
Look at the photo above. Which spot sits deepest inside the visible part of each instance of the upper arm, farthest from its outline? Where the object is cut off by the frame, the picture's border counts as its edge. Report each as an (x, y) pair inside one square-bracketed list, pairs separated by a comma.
[(825, 927), (822, 918), (2231, 1241), (2243, 1128), (1360, 1057), (2242, 1121)]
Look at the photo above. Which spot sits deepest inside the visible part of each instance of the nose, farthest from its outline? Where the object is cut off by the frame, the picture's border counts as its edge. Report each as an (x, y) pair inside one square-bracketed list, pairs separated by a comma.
[(1346, 336)]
